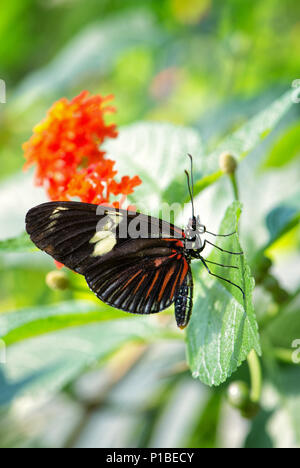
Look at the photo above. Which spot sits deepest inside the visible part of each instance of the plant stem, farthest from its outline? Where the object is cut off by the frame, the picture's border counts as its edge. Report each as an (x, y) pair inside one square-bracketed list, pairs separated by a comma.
[(283, 355), (255, 375), (234, 186)]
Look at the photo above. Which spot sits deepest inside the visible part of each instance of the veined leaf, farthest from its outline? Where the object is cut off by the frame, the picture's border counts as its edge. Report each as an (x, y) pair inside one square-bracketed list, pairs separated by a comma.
[(223, 327), (242, 141), (157, 152)]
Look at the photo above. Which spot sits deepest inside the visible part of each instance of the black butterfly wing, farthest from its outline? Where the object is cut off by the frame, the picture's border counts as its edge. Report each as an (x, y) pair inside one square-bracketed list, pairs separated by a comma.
[(63, 230), (139, 274), (140, 277), (76, 233)]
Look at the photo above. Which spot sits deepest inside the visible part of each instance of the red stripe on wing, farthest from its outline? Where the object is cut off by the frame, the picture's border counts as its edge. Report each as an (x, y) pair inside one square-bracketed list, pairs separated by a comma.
[(184, 271), (139, 283), (131, 279), (166, 280), (152, 284)]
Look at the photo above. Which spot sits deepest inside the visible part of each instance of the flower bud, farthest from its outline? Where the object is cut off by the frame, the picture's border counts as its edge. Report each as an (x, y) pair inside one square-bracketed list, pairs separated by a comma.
[(227, 162), (238, 395), (57, 280)]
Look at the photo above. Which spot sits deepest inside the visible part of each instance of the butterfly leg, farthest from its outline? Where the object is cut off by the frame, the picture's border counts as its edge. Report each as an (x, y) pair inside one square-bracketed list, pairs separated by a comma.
[(221, 265), (184, 302), (219, 248), (220, 277)]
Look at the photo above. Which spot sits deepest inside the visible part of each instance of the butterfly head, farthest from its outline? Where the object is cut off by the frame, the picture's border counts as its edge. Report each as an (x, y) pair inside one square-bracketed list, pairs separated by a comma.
[(194, 230), (194, 225)]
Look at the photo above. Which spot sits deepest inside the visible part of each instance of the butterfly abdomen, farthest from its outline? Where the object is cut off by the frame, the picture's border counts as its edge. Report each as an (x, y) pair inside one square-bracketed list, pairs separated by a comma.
[(184, 301)]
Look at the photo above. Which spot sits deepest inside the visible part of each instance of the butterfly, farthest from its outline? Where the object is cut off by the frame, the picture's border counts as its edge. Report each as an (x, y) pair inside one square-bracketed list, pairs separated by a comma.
[(131, 261)]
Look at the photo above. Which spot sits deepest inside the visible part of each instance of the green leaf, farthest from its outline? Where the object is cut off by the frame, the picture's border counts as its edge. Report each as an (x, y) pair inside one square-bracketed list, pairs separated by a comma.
[(244, 140), (223, 327), (43, 365), (22, 243), (32, 321), (285, 149), (157, 152), (259, 436), (283, 218)]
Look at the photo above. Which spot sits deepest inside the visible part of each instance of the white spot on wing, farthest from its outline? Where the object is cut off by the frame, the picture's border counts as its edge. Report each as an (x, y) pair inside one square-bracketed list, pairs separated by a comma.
[(114, 213), (104, 242), (57, 210)]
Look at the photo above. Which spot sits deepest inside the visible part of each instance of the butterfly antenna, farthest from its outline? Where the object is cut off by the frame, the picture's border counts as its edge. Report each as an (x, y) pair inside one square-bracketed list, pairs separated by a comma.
[(190, 180), (190, 192), (192, 177)]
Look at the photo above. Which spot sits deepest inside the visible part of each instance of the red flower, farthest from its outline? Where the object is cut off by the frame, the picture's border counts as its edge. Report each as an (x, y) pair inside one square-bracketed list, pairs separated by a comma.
[(66, 148)]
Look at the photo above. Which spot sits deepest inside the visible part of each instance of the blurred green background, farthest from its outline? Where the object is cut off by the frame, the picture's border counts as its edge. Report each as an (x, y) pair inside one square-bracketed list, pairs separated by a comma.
[(207, 64)]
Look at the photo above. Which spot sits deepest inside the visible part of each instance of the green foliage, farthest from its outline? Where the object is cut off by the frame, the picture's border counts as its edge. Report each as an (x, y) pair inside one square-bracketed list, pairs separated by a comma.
[(22, 243), (223, 82), (223, 327), (285, 149), (285, 327), (244, 140), (60, 357), (283, 218), (95, 49), (163, 175), (22, 324)]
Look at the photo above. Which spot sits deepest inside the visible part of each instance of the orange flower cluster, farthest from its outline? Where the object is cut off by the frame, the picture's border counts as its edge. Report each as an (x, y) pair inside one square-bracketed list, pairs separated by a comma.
[(66, 148), (96, 183)]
